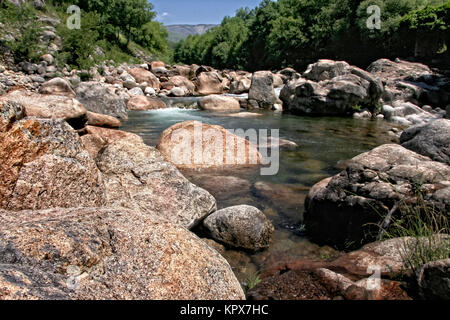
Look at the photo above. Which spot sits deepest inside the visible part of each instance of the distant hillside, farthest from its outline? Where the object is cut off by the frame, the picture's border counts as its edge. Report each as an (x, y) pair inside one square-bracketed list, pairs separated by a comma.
[(179, 32)]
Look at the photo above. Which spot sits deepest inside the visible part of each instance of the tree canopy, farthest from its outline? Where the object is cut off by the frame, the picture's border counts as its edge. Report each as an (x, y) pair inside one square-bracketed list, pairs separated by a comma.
[(294, 33)]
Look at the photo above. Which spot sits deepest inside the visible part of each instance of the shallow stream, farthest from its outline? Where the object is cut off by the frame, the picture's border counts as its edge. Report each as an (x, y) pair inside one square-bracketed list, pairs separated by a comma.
[(323, 146)]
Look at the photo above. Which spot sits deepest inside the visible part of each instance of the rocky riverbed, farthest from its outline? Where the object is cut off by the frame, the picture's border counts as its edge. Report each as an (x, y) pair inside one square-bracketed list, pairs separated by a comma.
[(94, 205)]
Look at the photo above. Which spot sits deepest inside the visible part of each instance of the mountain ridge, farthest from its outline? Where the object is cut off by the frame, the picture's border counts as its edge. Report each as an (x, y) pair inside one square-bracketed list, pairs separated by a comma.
[(178, 32)]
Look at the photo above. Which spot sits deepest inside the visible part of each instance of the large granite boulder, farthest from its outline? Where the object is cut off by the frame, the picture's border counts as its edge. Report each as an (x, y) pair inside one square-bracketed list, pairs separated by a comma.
[(413, 82), (344, 211), (49, 106), (431, 139), (209, 82), (332, 88), (241, 227), (44, 165), (141, 75), (262, 92), (107, 254), (101, 98), (216, 102), (57, 86), (192, 144), (137, 177)]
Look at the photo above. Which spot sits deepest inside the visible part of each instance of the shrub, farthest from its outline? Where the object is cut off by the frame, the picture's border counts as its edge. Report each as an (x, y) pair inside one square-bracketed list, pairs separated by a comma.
[(79, 44), (21, 20), (426, 226)]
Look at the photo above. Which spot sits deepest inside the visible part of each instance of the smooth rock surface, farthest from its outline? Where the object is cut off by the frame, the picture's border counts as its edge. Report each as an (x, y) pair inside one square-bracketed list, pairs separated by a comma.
[(431, 140), (241, 227), (192, 144), (216, 102)]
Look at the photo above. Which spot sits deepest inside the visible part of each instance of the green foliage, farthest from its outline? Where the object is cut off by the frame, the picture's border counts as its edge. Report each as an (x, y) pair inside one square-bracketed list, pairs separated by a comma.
[(153, 35), (356, 108), (252, 280), (116, 26), (79, 44), (294, 33), (427, 226), (25, 45)]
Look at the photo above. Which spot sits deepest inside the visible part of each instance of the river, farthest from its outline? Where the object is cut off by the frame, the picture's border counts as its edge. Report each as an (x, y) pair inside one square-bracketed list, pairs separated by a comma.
[(324, 144)]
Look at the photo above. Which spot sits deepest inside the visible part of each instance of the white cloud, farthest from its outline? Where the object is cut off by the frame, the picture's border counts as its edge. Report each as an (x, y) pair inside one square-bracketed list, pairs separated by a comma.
[(162, 16)]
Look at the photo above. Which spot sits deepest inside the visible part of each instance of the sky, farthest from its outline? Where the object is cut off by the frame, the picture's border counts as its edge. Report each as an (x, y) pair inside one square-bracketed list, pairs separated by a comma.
[(198, 11)]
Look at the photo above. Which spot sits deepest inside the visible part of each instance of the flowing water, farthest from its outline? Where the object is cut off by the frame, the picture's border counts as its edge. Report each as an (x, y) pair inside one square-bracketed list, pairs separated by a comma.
[(323, 146)]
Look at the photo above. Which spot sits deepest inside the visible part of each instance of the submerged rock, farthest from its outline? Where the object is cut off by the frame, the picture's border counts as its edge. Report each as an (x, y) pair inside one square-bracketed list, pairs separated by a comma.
[(223, 187), (106, 254), (291, 285)]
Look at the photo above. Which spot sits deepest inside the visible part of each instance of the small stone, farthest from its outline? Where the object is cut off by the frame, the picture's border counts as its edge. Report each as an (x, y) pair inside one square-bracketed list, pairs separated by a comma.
[(241, 227)]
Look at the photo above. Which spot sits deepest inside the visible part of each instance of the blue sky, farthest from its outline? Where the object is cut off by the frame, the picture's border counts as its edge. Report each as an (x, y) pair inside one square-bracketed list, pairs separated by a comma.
[(198, 11)]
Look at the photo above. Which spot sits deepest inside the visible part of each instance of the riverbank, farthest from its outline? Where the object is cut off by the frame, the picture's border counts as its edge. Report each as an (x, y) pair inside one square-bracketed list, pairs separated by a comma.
[(62, 129)]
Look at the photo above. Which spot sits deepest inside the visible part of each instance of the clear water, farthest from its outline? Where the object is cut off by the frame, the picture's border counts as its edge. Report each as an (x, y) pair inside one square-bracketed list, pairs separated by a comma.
[(323, 146)]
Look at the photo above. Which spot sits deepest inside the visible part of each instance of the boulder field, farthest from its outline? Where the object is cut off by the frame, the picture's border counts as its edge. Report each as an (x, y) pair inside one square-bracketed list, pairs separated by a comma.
[(404, 93), (101, 216), (88, 212)]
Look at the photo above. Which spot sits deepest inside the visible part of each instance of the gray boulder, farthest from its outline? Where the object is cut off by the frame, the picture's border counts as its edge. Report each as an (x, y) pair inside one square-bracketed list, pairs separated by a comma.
[(241, 227), (101, 98), (262, 91), (344, 210), (332, 88), (431, 140)]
